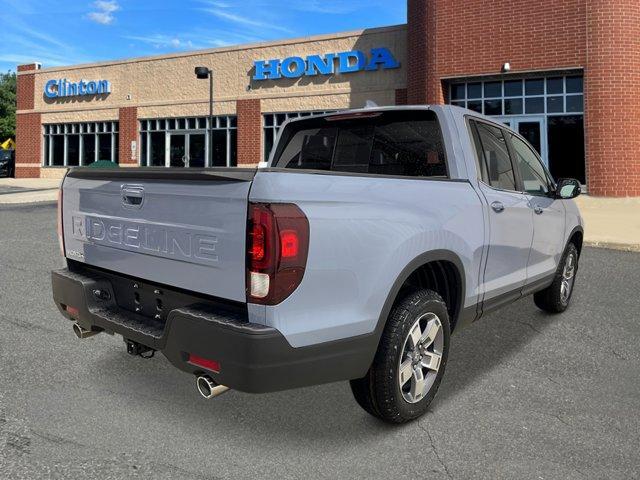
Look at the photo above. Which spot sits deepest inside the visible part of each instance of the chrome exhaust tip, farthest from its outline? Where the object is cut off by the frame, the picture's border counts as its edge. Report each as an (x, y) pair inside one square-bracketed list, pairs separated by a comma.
[(83, 332), (208, 388)]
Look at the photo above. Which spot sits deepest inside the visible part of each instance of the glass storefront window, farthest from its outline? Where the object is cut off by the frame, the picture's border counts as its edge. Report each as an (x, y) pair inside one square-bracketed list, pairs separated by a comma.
[(188, 142), (543, 95), (513, 88), (74, 144), (548, 111)]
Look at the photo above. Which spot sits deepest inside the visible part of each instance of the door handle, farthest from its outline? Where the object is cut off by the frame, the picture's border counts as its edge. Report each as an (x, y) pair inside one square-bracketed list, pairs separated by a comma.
[(497, 207), (132, 196), (538, 209)]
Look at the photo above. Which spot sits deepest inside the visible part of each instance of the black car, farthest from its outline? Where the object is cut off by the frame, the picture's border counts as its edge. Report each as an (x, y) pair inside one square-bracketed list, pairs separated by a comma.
[(7, 163)]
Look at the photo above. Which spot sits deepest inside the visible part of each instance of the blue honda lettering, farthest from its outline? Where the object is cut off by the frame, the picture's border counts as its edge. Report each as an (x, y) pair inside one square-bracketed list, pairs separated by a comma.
[(347, 64), (292, 67), (382, 57), (319, 65), (269, 70)]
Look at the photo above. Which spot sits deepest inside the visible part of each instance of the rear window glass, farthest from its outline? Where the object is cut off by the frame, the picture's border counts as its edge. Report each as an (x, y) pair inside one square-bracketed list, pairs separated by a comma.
[(392, 143)]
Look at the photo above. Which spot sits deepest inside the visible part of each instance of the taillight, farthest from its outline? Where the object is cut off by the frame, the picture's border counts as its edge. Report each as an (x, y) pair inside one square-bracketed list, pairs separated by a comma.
[(278, 244), (59, 227)]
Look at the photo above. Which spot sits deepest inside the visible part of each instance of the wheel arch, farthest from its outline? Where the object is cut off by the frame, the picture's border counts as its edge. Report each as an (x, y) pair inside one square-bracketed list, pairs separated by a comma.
[(451, 277), (576, 237)]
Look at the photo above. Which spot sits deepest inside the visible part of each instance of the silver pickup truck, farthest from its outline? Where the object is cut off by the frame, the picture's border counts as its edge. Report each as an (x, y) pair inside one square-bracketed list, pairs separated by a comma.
[(369, 237)]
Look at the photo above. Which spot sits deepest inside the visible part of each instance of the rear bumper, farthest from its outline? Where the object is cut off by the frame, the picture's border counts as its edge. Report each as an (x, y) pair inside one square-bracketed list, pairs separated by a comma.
[(253, 358)]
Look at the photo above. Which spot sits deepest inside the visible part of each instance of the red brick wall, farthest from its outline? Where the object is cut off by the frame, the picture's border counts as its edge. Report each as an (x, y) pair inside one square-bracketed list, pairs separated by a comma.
[(474, 37), (28, 126), (28, 145), (25, 90), (249, 131), (28, 66), (128, 132), (401, 96), (612, 96)]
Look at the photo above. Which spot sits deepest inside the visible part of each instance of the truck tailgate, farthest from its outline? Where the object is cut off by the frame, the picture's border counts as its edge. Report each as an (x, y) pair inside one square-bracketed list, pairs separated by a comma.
[(186, 229)]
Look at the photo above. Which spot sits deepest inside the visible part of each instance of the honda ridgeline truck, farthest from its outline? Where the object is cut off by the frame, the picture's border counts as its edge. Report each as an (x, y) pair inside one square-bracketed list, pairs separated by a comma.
[(366, 240)]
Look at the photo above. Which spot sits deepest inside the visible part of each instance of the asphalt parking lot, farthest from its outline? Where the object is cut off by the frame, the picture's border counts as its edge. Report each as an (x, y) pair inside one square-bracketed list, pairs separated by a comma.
[(526, 395)]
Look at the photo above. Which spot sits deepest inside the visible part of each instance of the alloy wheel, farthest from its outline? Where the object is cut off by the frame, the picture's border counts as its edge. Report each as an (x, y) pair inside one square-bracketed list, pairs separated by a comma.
[(421, 357)]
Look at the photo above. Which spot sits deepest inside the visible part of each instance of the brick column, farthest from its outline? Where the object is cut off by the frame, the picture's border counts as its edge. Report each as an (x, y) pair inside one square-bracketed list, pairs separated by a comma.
[(423, 84), (435, 92), (417, 52), (612, 98), (128, 132), (28, 125), (249, 132)]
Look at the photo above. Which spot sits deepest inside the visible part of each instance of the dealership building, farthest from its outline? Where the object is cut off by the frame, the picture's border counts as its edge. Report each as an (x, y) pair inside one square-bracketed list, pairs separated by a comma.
[(566, 75)]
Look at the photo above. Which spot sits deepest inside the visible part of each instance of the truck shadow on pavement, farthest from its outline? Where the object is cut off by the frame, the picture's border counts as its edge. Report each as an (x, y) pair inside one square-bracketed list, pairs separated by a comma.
[(325, 412)]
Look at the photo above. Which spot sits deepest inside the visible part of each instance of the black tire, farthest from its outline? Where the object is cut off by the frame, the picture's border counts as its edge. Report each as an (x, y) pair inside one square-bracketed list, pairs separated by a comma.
[(551, 298), (379, 392)]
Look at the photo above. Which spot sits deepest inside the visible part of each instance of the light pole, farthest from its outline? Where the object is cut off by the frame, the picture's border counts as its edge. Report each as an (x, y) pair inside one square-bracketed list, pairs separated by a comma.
[(203, 73)]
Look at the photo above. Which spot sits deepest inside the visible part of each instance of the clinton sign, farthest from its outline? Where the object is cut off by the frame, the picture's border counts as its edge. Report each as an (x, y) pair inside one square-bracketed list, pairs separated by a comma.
[(328, 64), (64, 88)]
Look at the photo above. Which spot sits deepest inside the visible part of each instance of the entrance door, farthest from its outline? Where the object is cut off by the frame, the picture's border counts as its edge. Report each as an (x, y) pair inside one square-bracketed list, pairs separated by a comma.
[(177, 151), (186, 149), (532, 128), (197, 150)]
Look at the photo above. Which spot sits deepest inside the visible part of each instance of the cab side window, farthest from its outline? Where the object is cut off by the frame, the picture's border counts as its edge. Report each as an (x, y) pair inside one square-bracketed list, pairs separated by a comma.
[(534, 176), (493, 155)]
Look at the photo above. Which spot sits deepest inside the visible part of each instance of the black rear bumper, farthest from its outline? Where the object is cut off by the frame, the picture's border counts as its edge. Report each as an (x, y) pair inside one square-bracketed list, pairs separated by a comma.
[(253, 358)]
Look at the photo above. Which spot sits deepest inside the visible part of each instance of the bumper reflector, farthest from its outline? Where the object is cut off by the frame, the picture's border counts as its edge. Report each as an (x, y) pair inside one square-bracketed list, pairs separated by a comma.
[(204, 363)]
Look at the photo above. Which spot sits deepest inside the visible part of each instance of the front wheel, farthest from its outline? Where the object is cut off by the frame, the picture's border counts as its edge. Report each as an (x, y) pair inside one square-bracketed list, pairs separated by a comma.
[(555, 298), (410, 361)]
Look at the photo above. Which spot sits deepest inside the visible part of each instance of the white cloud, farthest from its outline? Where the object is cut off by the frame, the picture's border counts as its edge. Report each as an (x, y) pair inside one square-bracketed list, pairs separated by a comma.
[(104, 10), (158, 40), (333, 7), (245, 21)]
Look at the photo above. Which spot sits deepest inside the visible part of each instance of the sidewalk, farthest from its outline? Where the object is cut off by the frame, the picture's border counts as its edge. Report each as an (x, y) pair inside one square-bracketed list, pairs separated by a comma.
[(28, 190), (609, 222)]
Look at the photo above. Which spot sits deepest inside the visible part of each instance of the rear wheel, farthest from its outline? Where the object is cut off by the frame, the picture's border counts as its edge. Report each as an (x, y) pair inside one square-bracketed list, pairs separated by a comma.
[(555, 298), (410, 361)]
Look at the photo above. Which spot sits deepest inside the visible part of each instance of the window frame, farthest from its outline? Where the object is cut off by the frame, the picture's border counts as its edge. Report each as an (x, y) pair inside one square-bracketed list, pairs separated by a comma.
[(506, 131), (180, 125), (565, 96), (516, 176), (551, 185), (81, 129)]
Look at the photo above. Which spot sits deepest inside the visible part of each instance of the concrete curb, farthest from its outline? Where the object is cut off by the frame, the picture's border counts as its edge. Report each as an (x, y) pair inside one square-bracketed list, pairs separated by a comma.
[(625, 247)]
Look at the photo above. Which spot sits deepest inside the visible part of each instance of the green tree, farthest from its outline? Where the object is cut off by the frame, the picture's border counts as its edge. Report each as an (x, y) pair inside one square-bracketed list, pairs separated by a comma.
[(7, 106)]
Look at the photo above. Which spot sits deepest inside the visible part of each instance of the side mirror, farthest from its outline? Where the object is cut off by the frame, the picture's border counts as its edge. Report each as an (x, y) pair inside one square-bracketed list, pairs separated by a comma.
[(568, 188)]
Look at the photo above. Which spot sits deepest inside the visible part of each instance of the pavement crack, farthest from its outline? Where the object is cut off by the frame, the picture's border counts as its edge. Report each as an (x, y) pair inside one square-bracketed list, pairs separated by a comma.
[(435, 452), (57, 440), (618, 355), (527, 324)]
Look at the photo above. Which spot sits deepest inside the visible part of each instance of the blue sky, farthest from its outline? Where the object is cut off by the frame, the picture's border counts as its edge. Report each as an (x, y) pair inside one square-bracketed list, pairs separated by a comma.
[(70, 32)]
